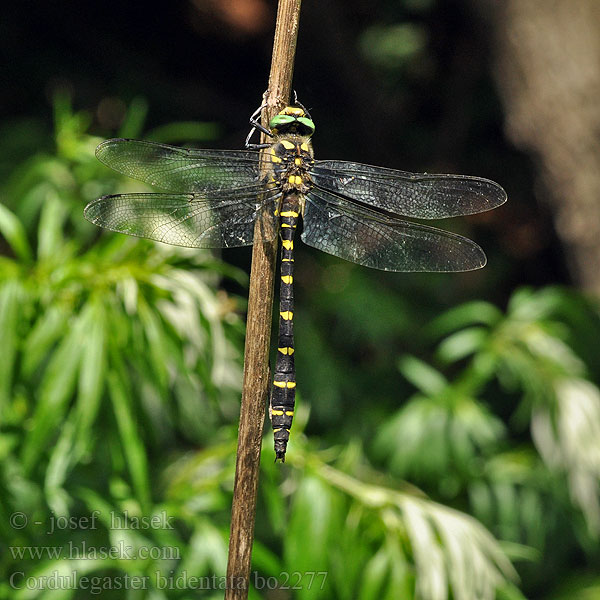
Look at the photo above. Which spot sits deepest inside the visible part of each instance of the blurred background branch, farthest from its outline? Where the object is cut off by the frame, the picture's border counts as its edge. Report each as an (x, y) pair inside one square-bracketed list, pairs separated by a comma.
[(548, 73)]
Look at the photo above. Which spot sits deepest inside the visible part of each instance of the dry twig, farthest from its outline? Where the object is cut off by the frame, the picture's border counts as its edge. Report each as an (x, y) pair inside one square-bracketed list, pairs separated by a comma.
[(258, 332)]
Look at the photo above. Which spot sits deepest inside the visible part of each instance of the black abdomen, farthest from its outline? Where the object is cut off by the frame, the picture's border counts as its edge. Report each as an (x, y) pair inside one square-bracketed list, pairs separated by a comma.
[(283, 394)]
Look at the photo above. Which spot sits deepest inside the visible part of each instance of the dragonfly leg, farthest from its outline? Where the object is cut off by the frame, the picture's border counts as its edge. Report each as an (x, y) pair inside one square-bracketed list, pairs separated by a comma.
[(298, 103), (256, 124), (256, 113)]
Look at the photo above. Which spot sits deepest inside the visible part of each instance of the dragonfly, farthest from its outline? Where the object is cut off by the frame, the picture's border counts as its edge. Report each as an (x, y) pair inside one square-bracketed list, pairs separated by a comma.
[(354, 211)]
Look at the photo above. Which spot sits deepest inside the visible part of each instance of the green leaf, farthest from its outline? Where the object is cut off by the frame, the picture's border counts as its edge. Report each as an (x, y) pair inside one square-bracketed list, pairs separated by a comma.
[(133, 123), (508, 591), (50, 229), (375, 576), (13, 231), (60, 461), (91, 376), (422, 376), (56, 388), (470, 313), (528, 305), (156, 341), (353, 549), (265, 560), (207, 550), (399, 585), (449, 547), (49, 328), (567, 435), (131, 442), (12, 295), (388, 46), (309, 531), (462, 343), (76, 433)]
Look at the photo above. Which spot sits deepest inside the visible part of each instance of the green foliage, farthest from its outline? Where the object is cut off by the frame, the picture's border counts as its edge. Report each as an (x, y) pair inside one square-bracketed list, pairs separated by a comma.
[(530, 365), (111, 350), (390, 45), (119, 391), (380, 542)]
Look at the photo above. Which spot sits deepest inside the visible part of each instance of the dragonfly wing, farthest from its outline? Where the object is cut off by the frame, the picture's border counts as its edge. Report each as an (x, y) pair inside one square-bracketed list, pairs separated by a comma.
[(183, 170), (370, 239), (190, 220), (423, 196)]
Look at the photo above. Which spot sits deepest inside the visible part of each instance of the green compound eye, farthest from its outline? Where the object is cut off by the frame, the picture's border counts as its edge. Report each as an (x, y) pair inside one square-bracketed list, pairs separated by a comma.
[(308, 123), (279, 120), (292, 123)]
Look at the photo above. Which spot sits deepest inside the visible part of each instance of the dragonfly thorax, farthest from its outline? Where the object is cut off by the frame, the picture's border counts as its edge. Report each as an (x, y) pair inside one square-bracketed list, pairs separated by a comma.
[(291, 159)]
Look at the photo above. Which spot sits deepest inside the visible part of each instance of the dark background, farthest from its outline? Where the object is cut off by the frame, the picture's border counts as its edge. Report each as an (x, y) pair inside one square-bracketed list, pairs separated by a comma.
[(435, 108)]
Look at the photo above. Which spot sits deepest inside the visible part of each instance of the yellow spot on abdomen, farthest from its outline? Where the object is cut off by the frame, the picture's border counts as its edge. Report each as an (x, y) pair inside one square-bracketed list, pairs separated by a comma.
[(289, 213), (283, 384), (287, 244), (287, 278), (277, 413), (286, 350), (289, 413), (286, 315)]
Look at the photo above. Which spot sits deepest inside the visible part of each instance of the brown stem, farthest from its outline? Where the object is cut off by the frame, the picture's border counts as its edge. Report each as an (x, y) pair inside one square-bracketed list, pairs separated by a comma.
[(255, 388)]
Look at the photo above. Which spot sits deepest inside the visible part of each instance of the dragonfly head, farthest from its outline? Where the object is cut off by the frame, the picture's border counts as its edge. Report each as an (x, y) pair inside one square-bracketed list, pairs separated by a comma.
[(292, 119)]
